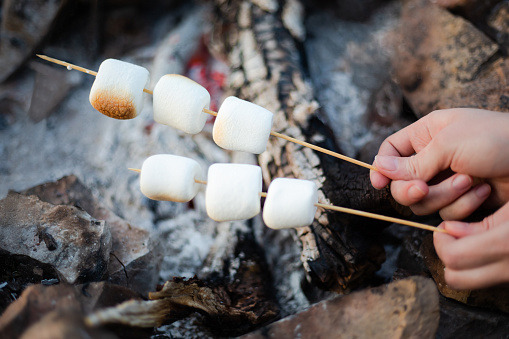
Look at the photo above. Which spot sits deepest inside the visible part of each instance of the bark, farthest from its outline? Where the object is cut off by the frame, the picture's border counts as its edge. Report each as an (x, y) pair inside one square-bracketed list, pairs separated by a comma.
[(261, 41)]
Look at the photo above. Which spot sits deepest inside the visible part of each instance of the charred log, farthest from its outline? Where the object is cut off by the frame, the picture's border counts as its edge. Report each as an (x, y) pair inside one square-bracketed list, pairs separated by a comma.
[(268, 68)]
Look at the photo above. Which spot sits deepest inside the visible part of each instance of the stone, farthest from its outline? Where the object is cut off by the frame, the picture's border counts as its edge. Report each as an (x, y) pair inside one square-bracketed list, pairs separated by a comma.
[(443, 61), (33, 304), (135, 257), (472, 9), (498, 21), (462, 321), (58, 311), (403, 309), (51, 86), (24, 24), (352, 80), (67, 238), (493, 298), (62, 324)]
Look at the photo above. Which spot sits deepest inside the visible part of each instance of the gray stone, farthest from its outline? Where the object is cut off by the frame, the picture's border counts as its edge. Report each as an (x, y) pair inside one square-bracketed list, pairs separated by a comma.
[(58, 311), (65, 237), (402, 309), (135, 257), (23, 26), (442, 61)]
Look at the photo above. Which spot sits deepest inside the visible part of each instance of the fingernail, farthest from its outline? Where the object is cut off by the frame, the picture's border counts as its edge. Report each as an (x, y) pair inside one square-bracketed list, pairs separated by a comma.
[(482, 191), (456, 225), (415, 192), (387, 163), (462, 182)]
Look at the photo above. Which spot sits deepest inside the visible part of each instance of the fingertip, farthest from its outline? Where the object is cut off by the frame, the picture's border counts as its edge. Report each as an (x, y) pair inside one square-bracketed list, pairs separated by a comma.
[(417, 190), (378, 180), (458, 229), (386, 163), (482, 191)]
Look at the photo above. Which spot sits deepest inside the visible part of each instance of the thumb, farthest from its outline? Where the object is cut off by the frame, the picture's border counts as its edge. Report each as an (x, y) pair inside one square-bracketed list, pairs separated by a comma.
[(423, 165)]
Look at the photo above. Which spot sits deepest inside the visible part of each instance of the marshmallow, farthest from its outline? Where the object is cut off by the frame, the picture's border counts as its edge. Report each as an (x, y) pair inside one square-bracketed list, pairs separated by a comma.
[(290, 203), (242, 126), (233, 191), (179, 103), (117, 91), (170, 177)]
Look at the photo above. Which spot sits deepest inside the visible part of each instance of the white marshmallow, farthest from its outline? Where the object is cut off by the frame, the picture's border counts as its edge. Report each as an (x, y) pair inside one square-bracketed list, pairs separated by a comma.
[(170, 177), (117, 91), (233, 191), (242, 126), (179, 103), (290, 203)]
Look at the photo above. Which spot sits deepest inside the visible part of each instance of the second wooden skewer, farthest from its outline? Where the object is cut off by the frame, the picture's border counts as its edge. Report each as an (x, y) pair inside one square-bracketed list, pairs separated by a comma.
[(354, 212)]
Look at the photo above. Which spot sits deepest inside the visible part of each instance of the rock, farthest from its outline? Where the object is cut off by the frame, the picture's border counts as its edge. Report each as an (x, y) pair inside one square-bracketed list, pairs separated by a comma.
[(352, 80), (33, 304), (68, 239), (462, 321), (64, 325), (24, 24), (135, 256), (403, 309), (472, 9), (498, 21), (55, 310), (443, 61), (494, 298), (51, 86)]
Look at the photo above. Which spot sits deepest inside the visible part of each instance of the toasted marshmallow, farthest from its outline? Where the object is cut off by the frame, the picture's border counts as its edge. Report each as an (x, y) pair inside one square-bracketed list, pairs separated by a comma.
[(179, 103), (117, 91), (170, 177), (242, 126)]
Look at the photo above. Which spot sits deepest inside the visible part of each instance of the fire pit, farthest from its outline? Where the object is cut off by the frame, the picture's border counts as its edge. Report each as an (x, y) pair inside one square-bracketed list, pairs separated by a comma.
[(82, 250)]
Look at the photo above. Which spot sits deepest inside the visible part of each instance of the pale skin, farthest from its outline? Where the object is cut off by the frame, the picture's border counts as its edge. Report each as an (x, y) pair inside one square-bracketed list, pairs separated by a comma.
[(455, 161)]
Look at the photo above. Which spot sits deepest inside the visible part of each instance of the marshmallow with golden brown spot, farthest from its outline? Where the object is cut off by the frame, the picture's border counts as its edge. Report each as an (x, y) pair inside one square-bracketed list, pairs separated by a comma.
[(242, 126), (290, 203), (233, 191), (117, 91), (170, 178), (179, 103)]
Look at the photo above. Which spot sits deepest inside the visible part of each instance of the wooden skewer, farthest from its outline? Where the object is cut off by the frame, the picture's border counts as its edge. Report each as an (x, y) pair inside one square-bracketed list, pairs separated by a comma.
[(324, 150), (355, 212), (208, 111), (78, 68), (382, 217)]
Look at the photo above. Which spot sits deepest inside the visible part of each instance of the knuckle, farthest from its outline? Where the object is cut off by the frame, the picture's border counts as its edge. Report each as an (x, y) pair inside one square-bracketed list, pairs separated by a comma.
[(488, 223), (412, 167)]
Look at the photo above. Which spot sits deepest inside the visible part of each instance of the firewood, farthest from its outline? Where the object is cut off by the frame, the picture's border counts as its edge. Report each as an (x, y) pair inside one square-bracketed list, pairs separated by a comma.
[(267, 70)]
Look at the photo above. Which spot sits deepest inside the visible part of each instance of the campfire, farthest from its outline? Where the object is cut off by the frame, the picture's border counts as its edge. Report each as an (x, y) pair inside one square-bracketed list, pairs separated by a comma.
[(233, 226)]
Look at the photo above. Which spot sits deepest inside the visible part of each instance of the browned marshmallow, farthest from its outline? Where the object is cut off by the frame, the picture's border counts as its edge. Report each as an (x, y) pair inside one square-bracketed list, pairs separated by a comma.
[(117, 91)]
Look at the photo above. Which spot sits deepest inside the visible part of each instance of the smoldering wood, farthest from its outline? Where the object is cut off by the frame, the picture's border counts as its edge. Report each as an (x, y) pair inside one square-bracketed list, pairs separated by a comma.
[(338, 251), (178, 298), (235, 295)]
